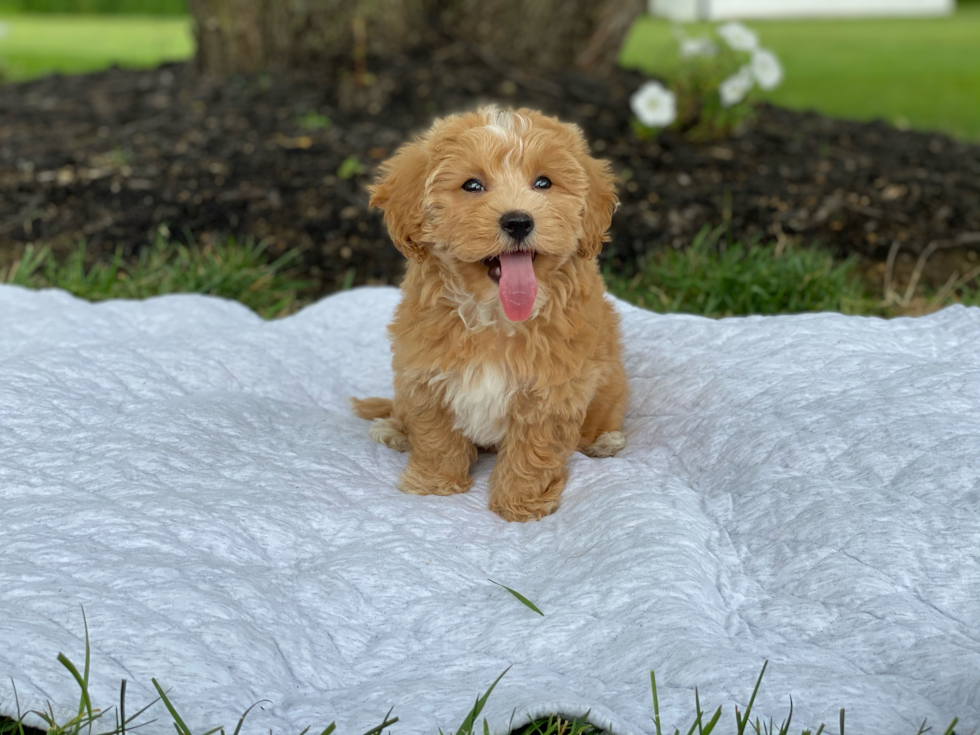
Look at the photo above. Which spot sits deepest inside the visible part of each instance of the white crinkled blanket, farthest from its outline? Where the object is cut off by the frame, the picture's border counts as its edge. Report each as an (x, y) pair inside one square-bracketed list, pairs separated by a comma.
[(801, 489)]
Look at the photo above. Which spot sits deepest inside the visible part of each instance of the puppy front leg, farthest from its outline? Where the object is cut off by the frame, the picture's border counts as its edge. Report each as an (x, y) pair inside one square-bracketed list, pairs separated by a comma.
[(440, 456), (531, 469)]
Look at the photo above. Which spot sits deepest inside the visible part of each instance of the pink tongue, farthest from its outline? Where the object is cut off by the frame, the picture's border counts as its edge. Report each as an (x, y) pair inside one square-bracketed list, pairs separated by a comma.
[(518, 286)]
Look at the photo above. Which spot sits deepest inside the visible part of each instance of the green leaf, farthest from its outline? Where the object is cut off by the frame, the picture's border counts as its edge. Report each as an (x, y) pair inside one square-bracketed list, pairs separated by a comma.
[(711, 723), (656, 702), (784, 728), (85, 705), (748, 709), (245, 714), (467, 727), (519, 596), (178, 722), (376, 730)]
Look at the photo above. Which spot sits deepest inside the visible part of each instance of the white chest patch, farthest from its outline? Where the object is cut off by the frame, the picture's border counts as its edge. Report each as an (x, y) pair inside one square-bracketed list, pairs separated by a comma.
[(479, 399)]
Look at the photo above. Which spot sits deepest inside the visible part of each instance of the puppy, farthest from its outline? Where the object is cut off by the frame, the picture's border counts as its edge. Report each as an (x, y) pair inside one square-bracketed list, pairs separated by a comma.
[(503, 339)]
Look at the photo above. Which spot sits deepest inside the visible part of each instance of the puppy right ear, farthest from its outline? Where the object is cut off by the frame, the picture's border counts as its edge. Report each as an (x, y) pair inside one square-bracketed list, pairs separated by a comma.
[(398, 192)]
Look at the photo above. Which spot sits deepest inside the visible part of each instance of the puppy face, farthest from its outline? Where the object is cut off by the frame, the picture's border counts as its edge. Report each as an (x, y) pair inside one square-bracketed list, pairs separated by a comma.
[(501, 199)]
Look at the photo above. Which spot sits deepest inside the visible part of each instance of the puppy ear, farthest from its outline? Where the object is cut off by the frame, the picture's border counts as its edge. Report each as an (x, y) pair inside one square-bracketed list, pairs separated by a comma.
[(600, 204), (398, 192)]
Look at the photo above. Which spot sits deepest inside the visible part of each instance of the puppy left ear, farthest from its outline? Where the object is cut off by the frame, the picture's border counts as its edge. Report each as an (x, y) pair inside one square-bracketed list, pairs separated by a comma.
[(398, 192), (600, 204)]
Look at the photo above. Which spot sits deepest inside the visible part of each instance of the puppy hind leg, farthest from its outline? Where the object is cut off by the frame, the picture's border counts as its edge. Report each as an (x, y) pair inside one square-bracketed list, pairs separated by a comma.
[(602, 434), (385, 428), (372, 408), (391, 432)]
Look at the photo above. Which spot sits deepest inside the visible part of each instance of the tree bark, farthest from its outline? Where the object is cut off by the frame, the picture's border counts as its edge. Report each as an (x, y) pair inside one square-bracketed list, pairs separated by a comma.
[(251, 35), (547, 35)]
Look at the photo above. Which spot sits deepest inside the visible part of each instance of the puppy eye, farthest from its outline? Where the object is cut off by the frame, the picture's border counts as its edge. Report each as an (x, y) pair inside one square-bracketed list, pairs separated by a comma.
[(473, 185), (542, 182)]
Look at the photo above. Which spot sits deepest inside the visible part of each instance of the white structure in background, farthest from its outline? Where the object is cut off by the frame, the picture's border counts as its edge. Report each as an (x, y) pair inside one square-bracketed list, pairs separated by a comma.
[(690, 10)]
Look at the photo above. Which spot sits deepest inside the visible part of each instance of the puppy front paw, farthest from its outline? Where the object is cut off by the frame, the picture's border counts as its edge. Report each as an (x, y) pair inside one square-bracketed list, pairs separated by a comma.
[(524, 513), (526, 504), (418, 480)]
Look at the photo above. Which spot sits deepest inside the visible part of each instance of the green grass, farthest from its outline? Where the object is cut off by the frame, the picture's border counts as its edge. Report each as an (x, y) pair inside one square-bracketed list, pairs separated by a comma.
[(131, 7), (923, 72), (114, 720), (233, 270), (37, 44), (715, 278)]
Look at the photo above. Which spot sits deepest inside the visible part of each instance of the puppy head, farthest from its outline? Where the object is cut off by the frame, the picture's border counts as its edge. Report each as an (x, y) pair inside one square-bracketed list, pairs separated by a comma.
[(502, 199)]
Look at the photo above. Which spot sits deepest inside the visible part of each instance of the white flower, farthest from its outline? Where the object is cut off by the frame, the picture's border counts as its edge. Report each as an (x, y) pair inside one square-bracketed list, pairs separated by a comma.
[(766, 68), (700, 46), (734, 89), (654, 105), (738, 36)]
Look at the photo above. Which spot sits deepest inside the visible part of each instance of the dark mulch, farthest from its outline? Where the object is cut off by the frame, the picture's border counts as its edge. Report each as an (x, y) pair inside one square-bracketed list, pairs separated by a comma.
[(109, 157)]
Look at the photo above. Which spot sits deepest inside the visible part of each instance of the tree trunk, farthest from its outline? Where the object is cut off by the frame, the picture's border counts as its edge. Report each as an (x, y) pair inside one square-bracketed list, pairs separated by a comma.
[(249, 35), (547, 35)]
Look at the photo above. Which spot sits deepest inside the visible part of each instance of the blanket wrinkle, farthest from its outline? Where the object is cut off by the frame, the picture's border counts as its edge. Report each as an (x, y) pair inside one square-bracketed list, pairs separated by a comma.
[(801, 489)]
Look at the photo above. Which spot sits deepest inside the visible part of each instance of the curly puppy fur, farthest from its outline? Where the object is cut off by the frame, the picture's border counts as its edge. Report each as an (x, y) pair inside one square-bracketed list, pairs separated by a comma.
[(466, 376)]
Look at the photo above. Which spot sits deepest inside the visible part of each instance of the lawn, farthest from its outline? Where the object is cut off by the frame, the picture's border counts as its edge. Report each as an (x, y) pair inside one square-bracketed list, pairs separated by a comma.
[(921, 72), (36, 44), (713, 278)]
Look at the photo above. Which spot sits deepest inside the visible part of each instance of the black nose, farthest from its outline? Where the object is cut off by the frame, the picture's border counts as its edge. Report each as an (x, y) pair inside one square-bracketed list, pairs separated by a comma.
[(517, 224)]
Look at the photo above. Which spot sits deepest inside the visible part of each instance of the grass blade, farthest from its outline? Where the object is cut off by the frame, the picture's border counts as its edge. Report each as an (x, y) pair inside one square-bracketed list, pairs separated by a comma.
[(748, 707), (656, 702), (467, 727), (88, 657), (377, 730), (178, 722), (85, 705), (348, 279), (245, 714), (784, 729), (122, 708), (712, 722), (697, 713), (519, 596)]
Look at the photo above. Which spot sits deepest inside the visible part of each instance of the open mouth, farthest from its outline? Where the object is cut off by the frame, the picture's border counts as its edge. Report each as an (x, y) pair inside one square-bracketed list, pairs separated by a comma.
[(513, 272), (493, 264)]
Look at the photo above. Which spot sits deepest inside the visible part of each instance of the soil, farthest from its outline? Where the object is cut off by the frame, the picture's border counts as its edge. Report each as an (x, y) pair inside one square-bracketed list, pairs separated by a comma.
[(113, 158)]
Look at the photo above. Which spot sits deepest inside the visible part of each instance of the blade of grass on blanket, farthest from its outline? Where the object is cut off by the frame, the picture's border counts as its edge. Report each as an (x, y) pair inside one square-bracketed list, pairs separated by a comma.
[(519, 596)]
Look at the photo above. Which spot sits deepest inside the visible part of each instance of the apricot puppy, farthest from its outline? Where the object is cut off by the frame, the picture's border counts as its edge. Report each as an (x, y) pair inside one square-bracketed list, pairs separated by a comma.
[(502, 340)]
